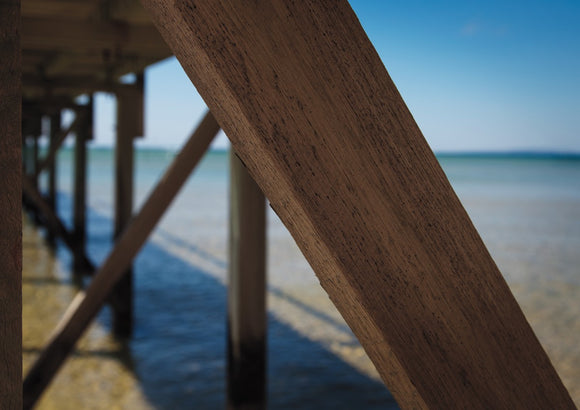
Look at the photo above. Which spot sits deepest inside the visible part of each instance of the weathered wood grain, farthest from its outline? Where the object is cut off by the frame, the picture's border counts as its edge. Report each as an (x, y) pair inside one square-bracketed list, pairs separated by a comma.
[(86, 305), (246, 381), (10, 207), (312, 112)]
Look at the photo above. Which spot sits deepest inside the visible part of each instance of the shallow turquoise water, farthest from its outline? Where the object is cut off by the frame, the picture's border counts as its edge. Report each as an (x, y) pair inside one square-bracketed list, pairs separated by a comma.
[(527, 210)]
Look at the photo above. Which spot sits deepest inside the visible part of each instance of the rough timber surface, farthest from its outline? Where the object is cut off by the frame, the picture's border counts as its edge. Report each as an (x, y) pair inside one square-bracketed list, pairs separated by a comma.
[(314, 115), (10, 208)]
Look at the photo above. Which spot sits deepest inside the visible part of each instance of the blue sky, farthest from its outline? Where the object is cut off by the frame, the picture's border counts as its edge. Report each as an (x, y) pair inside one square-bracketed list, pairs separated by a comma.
[(477, 76)]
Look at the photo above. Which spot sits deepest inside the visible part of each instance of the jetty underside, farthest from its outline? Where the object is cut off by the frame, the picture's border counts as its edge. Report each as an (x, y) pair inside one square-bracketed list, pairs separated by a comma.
[(320, 130)]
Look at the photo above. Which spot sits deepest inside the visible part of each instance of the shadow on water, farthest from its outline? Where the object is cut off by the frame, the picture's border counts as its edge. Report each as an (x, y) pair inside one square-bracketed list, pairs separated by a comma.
[(277, 291), (178, 349)]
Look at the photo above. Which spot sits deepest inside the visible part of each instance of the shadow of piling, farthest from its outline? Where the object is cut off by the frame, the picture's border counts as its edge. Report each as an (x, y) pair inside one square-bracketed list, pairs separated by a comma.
[(178, 349)]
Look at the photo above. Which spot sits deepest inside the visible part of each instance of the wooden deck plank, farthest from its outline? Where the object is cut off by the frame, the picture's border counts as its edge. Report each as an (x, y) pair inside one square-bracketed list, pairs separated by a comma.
[(10, 207), (312, 112), (86, 305)]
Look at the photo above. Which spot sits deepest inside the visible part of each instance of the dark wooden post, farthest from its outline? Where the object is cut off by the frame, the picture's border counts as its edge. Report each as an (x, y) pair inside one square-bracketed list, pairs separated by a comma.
[(10, 207), (25, 149), (36, 130), (312, 112), (35, 160), (129, 125), (55, 130), (247, 351), (83, 133)]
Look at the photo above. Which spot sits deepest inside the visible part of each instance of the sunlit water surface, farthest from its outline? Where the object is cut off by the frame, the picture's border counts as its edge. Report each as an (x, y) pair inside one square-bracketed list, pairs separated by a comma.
[(526, 209)]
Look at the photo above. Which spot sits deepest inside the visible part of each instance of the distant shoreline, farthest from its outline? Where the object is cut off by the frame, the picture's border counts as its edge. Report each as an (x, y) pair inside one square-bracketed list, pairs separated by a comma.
[(512, 154), (523, 154)]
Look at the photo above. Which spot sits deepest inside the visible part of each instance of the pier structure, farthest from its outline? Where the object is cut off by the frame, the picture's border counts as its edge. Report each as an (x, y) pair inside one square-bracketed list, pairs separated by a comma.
[(318, 127)]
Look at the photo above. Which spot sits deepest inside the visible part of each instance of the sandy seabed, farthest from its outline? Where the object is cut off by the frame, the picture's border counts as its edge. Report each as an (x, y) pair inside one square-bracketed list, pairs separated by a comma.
[(101, 372)]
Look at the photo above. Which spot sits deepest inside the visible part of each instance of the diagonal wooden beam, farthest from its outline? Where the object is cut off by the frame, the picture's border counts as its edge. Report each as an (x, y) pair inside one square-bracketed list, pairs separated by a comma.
[(52, 220), (53, 150), (312, 112), (86, 305)]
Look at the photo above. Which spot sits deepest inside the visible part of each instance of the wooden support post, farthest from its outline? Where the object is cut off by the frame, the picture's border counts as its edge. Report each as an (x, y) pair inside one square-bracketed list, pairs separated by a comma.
[(25, 164), (10, 207), (55, 125), (35, 160), (83, 133), (129, 125), (31, 129), (86, 305), (312, 112), (247, 352), (34, 166)]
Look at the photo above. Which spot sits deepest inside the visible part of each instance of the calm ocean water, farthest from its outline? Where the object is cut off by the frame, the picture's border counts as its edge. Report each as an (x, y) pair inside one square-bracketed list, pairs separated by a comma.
[(527, 209)]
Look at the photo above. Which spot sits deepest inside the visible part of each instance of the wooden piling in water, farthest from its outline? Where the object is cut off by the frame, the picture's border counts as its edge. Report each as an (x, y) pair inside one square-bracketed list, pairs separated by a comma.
[(247, 342), (312, 112), (129, 125), (86, 305), (55, 129), (83, 133), (34, 161), (10, 207)]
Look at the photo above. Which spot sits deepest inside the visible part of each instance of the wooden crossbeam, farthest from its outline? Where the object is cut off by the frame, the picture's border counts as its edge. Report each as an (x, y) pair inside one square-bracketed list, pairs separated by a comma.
[(70, 34), (57, 8), (59, 63), (97, 9), (48, 104), (53, 221), (10, 207), (77, 84), (312, 112), (86, 305)]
